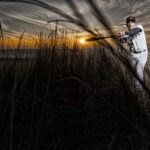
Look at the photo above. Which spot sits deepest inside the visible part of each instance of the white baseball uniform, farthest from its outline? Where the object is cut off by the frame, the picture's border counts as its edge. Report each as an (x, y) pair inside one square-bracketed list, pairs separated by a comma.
[(136, 40)]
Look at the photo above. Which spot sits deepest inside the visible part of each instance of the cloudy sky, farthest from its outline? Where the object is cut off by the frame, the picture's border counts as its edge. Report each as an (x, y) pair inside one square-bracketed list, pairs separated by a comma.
[(32, 16)]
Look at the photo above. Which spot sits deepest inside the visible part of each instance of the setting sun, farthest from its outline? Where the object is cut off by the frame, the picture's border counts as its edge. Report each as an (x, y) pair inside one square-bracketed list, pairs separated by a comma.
[(82, 41)]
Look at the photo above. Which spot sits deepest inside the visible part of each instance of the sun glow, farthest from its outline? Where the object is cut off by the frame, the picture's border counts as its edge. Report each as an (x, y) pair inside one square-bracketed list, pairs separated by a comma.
[(82, 41)]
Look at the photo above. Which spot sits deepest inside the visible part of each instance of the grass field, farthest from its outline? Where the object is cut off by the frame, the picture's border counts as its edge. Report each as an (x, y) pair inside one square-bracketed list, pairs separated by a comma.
[(70, 98)]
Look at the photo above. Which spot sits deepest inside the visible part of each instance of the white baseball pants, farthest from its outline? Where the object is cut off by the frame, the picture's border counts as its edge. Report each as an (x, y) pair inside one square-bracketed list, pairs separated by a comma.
[(138, 61)]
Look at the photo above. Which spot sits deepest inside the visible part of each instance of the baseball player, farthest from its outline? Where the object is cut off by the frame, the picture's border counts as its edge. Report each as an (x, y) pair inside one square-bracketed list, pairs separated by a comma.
[(136, 40)]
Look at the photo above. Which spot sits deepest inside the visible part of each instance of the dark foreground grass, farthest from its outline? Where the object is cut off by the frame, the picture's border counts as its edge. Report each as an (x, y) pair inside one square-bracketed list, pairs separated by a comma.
[(70, 99)]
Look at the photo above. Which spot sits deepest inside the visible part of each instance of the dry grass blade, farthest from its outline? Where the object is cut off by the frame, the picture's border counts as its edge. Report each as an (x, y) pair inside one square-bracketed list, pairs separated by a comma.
[(20, 39), (1, 31)]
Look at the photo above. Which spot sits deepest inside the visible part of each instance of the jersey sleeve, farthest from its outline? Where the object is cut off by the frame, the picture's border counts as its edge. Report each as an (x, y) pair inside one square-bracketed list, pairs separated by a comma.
[(135, 31), (125, 38)]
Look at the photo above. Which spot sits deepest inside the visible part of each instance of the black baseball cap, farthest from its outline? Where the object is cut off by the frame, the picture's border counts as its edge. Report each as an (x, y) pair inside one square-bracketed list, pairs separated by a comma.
[(130, 18)]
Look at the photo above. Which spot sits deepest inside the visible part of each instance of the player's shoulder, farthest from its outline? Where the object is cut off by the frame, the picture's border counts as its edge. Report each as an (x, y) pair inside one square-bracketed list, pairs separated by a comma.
[(139, 26)]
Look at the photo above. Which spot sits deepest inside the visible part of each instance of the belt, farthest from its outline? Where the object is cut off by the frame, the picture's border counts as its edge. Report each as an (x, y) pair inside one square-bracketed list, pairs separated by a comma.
[(137, 52)]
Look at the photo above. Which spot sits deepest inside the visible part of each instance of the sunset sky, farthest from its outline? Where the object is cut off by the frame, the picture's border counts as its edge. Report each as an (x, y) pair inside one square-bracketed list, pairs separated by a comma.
[(32, 17)]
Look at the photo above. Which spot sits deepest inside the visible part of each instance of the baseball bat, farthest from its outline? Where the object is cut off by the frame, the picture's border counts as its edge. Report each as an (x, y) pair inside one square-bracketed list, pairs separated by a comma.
[(98, 38)]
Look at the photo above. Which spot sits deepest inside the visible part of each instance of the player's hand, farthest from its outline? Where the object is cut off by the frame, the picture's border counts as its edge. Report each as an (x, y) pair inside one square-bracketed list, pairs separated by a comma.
[(119, 34)]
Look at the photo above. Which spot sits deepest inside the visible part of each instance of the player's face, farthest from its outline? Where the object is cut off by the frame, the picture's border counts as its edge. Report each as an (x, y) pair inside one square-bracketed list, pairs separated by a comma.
[(130, 24)]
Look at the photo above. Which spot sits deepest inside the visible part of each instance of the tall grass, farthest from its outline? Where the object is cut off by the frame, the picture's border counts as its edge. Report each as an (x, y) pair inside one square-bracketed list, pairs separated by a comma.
[(71, 97)]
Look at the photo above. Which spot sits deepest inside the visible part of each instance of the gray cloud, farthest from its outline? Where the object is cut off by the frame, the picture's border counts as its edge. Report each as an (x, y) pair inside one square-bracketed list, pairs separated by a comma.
[(21, 16)]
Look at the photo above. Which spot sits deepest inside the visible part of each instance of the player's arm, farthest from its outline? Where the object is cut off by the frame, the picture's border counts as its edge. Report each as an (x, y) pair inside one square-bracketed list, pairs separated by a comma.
[(133, 32)]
